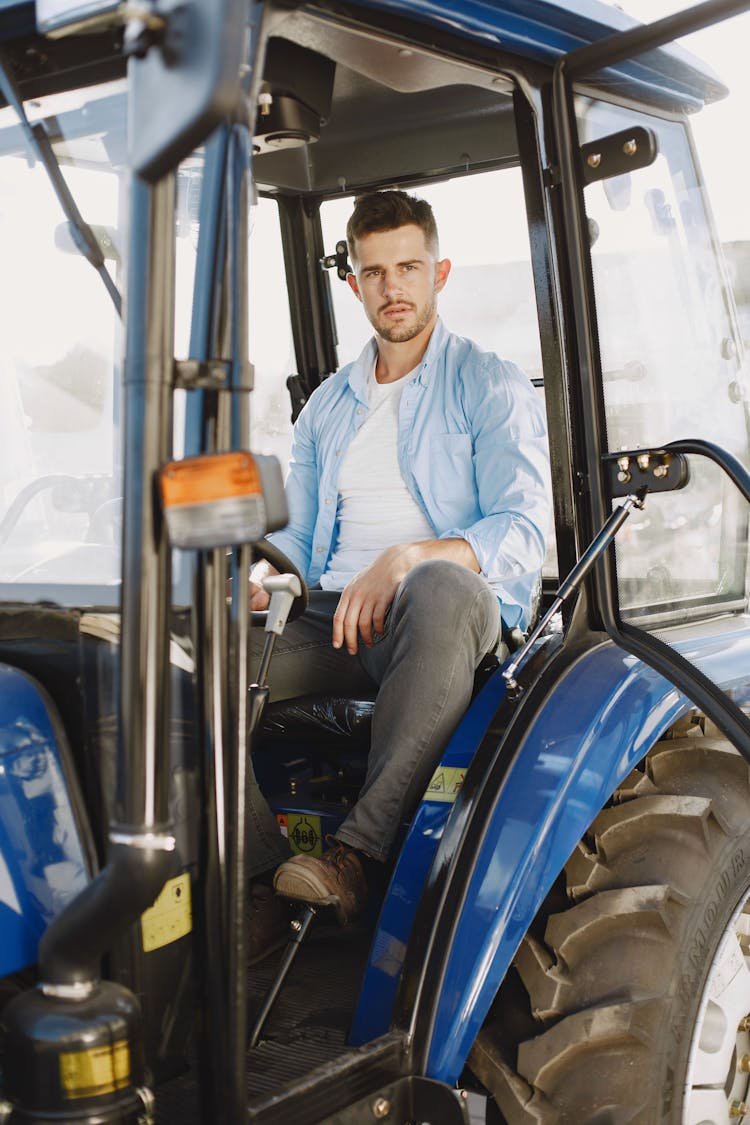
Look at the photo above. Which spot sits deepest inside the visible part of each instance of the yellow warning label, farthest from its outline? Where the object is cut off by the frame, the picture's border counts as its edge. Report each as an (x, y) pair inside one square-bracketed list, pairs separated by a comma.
[(171, 916), (305, 834), (98, 1070), (445, 784)]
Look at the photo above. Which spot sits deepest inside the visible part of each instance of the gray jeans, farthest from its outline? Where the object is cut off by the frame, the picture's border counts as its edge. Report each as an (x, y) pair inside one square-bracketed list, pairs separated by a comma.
[(443, 621)]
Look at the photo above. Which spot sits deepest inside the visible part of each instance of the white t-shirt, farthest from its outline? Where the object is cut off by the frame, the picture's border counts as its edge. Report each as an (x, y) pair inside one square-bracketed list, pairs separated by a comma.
[(375, 508)]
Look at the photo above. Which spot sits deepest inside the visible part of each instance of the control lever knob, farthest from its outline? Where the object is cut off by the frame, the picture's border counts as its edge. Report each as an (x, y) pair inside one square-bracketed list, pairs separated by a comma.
[(283, 588)]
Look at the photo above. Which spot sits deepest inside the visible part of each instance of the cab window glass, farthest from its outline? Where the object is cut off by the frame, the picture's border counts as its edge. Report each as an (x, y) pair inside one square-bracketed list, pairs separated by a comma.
[(671, 367), (60, 349), (490, 294), (271, 346)]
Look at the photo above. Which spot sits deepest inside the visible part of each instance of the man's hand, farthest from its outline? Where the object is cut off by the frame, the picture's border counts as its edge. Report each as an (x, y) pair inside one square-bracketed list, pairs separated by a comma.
[(366, 599), (259, 599)]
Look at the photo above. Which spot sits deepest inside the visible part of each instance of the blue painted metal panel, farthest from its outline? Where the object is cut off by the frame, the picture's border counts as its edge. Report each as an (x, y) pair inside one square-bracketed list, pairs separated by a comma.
[(540, 29), (543, 30), (397, 916), (605, 714), (42, 861)]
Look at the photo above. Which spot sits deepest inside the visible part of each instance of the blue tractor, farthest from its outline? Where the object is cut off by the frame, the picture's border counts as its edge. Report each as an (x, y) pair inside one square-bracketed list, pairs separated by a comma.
[(565, 934)]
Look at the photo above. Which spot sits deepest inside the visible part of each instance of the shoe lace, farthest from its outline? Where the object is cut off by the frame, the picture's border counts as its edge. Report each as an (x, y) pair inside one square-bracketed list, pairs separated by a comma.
[(339, 856)]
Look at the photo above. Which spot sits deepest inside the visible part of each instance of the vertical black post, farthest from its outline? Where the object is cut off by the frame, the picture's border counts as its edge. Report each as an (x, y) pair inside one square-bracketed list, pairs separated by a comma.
[(141, 801), (221, 421), (209, 637), (239, 627)]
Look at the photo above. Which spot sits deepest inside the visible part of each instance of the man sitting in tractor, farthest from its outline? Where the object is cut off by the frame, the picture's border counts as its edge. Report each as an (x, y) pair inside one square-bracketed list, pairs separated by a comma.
[(419, 500)]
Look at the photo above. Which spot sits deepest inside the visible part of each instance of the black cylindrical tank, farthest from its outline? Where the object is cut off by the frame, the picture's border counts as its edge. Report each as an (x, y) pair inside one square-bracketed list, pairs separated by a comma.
[(73, 1059)]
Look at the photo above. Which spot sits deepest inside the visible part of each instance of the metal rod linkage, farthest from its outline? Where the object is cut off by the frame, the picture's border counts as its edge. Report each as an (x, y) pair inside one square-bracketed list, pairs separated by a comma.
[(597, 546)]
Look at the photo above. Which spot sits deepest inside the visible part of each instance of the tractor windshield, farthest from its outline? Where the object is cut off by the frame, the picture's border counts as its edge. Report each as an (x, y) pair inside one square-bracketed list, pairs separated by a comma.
[(60, 345)]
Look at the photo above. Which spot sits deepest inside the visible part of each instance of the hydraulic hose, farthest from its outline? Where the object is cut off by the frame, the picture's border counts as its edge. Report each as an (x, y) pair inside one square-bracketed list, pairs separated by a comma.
[(72, 947)]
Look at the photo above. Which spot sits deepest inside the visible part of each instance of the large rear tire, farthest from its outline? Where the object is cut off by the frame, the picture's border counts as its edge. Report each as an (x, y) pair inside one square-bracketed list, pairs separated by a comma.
[(635, 992)]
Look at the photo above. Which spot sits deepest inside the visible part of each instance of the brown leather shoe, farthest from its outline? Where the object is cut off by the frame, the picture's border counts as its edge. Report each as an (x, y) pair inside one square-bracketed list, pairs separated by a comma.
[(267, 923), (336, 879)]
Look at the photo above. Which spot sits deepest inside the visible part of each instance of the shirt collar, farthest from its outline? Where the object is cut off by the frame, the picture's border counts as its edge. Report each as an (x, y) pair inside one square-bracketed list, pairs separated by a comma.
[(362, 366), (435, 348)]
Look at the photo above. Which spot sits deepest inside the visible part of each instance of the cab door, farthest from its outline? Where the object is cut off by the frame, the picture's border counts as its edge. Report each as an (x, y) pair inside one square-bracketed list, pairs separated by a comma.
[(661, 373)]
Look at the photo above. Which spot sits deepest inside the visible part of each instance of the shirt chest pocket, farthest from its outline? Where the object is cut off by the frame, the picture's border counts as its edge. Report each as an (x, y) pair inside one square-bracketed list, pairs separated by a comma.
[(452, 482)]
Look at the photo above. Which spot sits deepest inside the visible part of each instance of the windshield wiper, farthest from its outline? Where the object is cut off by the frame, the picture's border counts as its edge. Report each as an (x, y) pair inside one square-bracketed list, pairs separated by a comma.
[(41, 147)]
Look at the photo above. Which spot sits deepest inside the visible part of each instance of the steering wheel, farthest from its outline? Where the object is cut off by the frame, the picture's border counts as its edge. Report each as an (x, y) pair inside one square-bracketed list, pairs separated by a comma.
[(105, 523), (264, 549), (88, 494)]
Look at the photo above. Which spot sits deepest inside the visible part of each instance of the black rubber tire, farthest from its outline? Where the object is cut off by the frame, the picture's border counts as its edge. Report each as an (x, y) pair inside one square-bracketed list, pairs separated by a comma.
[(595, 1022)]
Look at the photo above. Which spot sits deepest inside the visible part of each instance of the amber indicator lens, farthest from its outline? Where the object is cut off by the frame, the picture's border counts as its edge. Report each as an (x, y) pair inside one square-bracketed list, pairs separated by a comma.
[(214, 500)]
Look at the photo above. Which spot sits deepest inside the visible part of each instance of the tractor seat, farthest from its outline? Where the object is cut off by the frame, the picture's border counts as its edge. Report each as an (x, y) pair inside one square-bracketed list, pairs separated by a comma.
[(335, 719), (318, 718), (330, 720)]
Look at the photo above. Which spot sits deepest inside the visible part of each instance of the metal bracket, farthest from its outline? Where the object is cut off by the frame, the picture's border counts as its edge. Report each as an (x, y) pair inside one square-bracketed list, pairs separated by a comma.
[(338, 261), (412, 1098), (551, 176), (655, 469), (208, 375), (619, 153)]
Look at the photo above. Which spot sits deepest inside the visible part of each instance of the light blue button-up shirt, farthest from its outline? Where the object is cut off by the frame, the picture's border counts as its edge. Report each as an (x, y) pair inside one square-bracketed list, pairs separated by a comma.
[(472, 450)]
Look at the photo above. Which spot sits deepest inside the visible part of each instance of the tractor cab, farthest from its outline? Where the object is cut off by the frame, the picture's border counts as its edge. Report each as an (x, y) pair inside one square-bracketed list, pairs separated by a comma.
[(567, 905)]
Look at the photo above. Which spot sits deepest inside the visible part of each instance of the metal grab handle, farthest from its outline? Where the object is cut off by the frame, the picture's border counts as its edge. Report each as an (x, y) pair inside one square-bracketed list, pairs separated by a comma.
[(574, 579)]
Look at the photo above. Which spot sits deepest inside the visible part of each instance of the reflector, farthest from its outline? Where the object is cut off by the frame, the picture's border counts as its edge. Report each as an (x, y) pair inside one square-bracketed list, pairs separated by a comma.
[(221, 499)]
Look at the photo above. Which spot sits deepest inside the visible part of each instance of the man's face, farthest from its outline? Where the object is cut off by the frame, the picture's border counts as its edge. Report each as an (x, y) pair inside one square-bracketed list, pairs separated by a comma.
[(397, 279)]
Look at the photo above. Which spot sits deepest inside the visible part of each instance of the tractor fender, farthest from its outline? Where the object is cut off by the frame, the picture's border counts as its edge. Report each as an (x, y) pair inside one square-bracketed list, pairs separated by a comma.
[(44, 862), (606, 711), (604, 715)]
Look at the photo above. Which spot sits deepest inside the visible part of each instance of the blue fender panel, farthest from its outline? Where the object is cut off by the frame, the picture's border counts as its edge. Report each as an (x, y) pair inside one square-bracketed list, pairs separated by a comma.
[(606, 712), (42, 860), (381, 979)]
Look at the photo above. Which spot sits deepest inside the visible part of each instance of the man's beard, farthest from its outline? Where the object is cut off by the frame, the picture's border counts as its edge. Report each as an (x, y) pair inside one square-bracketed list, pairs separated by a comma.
[(400, 333)]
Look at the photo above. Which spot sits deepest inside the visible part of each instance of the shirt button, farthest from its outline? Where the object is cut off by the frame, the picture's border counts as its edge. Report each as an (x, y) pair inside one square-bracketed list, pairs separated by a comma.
[(360, 410), (328, 499), (318, 549), (338, 452)]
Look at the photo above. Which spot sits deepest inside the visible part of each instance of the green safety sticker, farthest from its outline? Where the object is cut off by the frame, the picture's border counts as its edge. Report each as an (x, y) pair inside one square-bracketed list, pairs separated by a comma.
[(303, 831), (445, 784)]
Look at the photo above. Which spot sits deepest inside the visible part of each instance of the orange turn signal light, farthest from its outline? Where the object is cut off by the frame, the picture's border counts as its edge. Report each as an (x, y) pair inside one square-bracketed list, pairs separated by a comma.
[(214, 476), (222, 499)]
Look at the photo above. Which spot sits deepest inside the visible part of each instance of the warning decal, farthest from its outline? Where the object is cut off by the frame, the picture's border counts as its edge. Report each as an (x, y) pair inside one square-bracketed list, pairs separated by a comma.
[(171, 916), (445, 784), (305, 834), (98, 1070)]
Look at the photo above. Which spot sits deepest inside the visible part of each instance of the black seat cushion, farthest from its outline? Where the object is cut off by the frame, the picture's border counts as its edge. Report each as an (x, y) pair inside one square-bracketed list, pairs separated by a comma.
[(318, 718)]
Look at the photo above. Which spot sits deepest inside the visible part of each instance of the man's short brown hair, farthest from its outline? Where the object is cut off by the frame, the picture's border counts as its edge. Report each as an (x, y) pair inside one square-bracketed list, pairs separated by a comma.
[(389, 210)]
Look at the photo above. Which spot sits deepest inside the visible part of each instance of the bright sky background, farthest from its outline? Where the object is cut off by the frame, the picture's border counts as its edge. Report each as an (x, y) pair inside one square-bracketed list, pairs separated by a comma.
[(721, 129)]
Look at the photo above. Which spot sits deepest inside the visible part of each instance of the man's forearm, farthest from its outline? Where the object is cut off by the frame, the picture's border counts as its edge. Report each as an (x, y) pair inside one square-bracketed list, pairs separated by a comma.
[(452, 550)]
